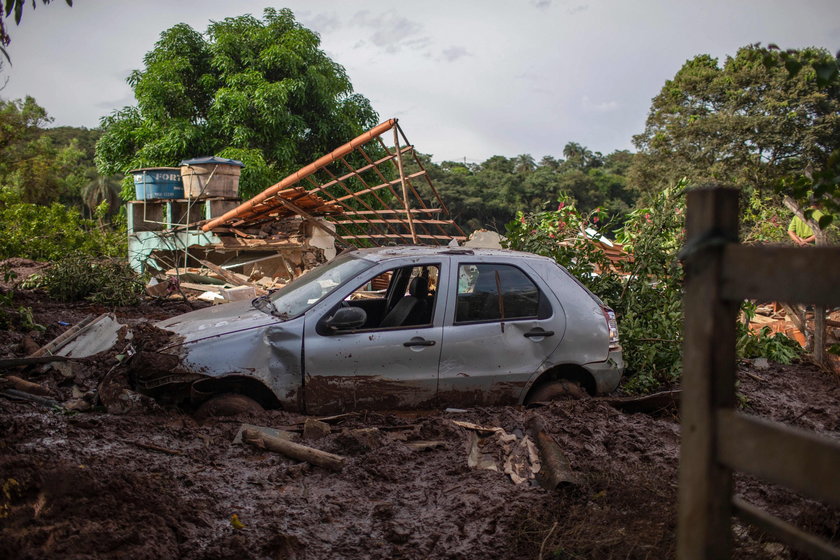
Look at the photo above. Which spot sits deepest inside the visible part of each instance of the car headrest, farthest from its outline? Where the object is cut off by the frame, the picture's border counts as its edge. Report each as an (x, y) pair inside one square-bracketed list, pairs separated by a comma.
[(419, 287)]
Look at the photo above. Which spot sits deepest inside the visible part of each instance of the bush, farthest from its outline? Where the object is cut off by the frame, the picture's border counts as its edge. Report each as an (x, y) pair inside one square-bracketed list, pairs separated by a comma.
[(646, 295), (79, 277), (50, 232)]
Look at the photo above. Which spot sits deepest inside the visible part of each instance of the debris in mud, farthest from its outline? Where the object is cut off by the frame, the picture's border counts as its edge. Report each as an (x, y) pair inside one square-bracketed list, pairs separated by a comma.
[(494, 449), (293, 450), (315, 429)]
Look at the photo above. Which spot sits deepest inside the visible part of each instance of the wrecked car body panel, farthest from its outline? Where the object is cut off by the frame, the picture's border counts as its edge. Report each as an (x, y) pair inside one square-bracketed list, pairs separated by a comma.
[(453, 328), (236, 340)]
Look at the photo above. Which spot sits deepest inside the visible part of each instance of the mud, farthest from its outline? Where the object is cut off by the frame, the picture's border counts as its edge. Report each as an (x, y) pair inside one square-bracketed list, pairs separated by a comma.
[(156, 484)]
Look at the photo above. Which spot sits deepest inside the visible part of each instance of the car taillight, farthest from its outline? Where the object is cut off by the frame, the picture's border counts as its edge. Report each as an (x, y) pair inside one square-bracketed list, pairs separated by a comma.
[(612, 326)]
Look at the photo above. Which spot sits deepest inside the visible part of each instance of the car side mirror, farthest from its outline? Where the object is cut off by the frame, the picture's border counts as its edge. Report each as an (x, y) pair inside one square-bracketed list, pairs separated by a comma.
[(346, 318)]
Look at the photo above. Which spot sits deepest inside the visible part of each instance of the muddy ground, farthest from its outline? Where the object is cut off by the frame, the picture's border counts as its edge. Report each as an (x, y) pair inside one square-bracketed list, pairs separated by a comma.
[(153, 483)]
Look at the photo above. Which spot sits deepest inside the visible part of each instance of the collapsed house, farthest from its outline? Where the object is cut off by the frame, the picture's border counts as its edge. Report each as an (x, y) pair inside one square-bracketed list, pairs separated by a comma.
[(371, 191)]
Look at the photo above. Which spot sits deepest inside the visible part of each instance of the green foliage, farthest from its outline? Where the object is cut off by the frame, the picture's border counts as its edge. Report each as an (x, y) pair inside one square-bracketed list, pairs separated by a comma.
[(50, 232), (646, 295), (749, 123), (776, 347), (762, 219), (488, 195), (561, 234), (45, 165), (260, 89), (79, 277)]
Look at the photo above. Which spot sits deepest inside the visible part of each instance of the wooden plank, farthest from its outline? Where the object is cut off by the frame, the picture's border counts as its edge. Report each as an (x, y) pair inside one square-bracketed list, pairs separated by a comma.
[(705, 486), (789, 274), (413, 211), (780, 454), (228, 276), (392, 236), (386, 221), (377, 187), (792, 536), (404, 186), (55, 344)]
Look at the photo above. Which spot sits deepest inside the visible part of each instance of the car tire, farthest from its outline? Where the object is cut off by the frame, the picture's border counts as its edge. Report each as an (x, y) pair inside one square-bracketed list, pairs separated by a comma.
[(556, 390), (226, 404)]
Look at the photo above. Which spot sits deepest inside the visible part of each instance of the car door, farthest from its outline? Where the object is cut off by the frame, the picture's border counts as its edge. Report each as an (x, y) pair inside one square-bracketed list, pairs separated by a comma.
[(501, 324), (376, 367)]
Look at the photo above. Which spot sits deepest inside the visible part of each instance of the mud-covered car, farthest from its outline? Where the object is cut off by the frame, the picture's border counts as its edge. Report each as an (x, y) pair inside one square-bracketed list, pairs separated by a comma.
[(403, 327)]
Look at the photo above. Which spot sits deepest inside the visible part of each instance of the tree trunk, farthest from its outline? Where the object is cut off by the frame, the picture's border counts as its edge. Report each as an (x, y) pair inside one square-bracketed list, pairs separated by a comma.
[(821, 239)]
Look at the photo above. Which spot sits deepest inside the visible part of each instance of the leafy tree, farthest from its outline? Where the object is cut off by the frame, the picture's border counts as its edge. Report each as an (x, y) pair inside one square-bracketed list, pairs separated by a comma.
[(38, 168), (487, 195), (16, 6), (749, 123), (260, 89)]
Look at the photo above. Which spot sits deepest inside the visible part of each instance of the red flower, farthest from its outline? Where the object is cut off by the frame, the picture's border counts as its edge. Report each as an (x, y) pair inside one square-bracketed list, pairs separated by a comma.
[(595, 219), (561, 205)]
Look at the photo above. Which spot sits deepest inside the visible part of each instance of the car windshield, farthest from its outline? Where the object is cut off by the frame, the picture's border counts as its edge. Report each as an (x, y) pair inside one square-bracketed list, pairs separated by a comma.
[(304, 292)]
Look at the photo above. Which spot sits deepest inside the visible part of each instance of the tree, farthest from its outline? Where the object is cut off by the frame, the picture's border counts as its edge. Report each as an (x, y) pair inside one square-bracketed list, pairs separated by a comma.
[(16, 6), (37, 165), (748, 123), (259, 90)]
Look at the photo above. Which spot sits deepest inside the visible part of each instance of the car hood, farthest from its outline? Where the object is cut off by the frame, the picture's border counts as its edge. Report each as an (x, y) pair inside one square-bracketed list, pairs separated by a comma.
[(218, 320)]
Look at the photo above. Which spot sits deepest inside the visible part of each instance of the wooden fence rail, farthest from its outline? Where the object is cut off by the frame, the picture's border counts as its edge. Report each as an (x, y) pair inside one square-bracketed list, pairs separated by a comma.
[(717, 440)]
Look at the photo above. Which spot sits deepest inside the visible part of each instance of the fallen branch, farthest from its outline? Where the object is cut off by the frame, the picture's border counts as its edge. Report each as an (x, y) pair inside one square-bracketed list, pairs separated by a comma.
[(545, 540), (27, 386), (337, 417), (754, 376), (32, 360), (293, 450), (666, 400)]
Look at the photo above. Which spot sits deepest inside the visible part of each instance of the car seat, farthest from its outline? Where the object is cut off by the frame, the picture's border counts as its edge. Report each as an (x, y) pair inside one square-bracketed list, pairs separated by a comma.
[(412, 309)]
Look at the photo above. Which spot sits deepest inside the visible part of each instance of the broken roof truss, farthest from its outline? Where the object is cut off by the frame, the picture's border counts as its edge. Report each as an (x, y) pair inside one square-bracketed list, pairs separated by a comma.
[(374, 189)]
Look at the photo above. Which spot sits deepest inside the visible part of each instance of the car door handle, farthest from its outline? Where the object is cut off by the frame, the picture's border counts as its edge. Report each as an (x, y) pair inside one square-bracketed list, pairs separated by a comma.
[(411, 343), (538, 333)]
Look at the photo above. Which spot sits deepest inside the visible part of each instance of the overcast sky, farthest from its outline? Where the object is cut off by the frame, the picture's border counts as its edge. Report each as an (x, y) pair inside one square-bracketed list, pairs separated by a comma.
[(467, 79)]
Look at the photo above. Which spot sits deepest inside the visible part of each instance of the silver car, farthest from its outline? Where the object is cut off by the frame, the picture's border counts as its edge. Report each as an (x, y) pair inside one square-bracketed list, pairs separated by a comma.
[(401, 327)]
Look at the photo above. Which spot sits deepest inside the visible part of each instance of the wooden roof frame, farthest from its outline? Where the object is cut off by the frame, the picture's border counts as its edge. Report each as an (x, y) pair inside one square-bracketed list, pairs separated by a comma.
[(362, 188)]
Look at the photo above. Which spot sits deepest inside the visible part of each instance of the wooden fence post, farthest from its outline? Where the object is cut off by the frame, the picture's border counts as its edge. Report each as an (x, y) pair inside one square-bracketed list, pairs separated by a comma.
[(705, 486)]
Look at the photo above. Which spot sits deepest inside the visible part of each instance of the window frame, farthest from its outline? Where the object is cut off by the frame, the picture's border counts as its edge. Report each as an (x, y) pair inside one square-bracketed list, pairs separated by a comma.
[(544, 308)]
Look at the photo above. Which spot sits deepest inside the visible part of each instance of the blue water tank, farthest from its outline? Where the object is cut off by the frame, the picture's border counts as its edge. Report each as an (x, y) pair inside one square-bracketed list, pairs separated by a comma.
[(158, 182)]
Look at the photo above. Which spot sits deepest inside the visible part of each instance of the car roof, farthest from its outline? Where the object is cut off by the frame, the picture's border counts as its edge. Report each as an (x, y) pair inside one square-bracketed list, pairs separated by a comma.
[(402, 251)]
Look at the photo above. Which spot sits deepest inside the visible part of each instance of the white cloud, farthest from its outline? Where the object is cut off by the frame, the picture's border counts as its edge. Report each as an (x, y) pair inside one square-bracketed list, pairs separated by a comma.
[(392, 32), (595, 107), (453, 53)]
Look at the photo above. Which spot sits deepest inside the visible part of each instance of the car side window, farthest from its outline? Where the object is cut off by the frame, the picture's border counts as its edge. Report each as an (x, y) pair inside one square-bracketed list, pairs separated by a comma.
[(400, 297), (496, 292)]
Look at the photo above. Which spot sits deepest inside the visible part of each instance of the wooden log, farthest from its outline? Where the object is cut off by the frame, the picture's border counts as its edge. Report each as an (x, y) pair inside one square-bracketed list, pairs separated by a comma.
[(27, 386), (32, 360), (227, 275), (294, 450)]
